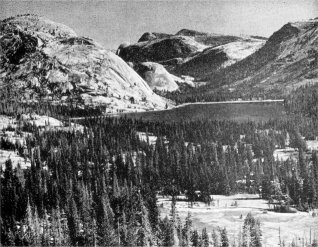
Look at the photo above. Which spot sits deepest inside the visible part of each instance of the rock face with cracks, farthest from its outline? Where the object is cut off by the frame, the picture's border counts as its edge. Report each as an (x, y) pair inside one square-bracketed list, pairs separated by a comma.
[(41, 59)]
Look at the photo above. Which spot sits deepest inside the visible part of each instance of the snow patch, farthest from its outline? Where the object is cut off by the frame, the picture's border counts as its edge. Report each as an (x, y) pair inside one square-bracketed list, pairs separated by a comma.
[(143, 136), (15, 159), (285, 154), (239, 50), (223, 212)]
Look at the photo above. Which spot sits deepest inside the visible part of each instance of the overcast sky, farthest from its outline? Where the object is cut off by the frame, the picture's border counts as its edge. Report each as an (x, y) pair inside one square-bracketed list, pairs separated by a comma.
[(114, 22)]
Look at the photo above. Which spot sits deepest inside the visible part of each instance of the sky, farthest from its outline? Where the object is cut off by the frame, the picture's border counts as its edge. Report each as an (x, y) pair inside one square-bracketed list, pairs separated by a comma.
[(112, 22)]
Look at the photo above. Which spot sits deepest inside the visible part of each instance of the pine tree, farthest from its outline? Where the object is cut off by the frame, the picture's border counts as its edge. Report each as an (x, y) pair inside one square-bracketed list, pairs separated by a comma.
[(224, 238), (251, 232), (204, 238), (116, 188), (73, 221), (10, 239), (145, 235), (167, 232), (186, 231), (195, 238), (32, 221), (105, 227), (215, 239)]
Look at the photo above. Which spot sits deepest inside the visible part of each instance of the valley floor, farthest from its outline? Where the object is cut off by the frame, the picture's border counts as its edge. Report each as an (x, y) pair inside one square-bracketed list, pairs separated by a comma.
[(223, 213)]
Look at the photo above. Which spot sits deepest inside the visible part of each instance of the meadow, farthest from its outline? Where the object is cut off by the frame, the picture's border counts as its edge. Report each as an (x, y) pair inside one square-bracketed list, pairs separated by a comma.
[(230, 212)]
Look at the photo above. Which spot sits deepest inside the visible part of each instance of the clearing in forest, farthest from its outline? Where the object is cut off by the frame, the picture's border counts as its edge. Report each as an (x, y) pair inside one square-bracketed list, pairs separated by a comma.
[(230, 212)]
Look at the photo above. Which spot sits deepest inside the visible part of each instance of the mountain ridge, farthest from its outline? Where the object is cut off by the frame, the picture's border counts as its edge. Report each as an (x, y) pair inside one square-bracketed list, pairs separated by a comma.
[(189, 52), (287, 60)]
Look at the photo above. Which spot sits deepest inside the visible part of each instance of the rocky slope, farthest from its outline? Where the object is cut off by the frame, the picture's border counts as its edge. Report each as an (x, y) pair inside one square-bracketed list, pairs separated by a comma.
[(190, 52), (288, 60), (41, 59), (159, 78)]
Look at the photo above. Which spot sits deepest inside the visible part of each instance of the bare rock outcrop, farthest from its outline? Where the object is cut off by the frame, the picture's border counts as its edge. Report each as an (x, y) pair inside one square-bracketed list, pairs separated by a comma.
[(42, 59)]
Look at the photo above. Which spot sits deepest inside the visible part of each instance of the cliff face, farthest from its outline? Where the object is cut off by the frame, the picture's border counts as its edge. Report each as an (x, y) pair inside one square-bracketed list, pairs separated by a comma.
[(43, 59)]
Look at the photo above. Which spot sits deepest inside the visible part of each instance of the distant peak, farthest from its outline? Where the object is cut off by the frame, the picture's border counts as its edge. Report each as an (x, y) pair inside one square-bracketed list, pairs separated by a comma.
[(286, 32), (189, 32), (148, 36), (36, 24), (19, 16)]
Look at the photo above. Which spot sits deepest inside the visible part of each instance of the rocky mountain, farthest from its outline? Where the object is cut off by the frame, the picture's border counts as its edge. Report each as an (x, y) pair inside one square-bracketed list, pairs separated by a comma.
[(190, 52), (43, 59), (288, 60), (160, 48), (159, 78)]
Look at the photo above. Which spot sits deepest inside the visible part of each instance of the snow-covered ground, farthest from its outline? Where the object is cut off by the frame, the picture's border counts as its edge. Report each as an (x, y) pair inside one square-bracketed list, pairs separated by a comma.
[(15, 159), (143, 137), (191, 42), (5, 121), (239, 50), (285, 154), (14, 138), (312, 145), (41, 121), (222, 213), (48, 123)]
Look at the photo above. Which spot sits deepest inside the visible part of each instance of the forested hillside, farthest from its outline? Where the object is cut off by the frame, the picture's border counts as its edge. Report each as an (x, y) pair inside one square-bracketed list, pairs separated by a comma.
[(99, 186)]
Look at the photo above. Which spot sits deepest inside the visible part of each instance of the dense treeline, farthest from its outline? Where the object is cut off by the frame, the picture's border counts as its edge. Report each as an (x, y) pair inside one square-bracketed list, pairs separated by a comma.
[(95, 187), (200, 94), (73, 180), (59, 111), (98, 187), (304, 101)]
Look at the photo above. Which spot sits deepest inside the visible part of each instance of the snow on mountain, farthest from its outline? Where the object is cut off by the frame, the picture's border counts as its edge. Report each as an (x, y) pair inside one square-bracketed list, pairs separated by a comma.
[(190, 52), (239, 50), (214, 58)]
